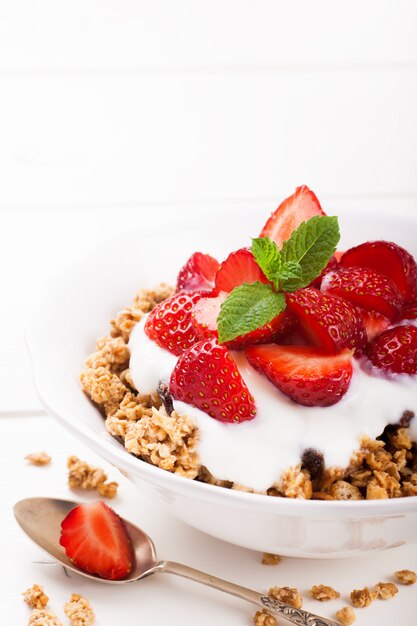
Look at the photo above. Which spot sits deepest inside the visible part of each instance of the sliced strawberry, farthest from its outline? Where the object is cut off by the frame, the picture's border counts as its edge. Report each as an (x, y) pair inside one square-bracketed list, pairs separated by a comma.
[(366, 288), (198, 273), (330, 323), (239, 267), (389, 259), (206, 312), (207, 377), (374, 323), (306, 375), (96, 540), (292, 212), (332, 265), (169, 324), (408, 312), (395, 350)]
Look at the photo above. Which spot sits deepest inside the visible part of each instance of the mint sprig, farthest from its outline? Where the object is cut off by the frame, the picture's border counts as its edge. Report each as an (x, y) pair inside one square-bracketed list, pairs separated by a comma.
[(248, 307), (301, 259)]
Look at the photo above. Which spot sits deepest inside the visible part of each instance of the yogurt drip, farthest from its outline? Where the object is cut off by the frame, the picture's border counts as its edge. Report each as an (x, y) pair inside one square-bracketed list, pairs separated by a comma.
[(255, 453)]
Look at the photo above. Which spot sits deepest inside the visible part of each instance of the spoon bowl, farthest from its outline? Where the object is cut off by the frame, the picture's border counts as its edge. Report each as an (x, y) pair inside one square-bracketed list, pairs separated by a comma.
[(41, 519)]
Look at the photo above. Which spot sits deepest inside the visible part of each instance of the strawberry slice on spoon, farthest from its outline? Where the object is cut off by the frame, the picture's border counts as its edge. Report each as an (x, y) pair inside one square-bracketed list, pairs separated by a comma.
[(95, 540)]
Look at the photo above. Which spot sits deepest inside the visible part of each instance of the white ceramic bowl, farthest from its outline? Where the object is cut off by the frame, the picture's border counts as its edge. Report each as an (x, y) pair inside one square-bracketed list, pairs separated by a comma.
[(77, 309)]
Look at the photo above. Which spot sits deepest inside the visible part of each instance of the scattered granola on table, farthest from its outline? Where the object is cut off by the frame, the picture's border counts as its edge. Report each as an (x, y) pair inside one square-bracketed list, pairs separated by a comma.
[(81, 475), (346, 616), (38, 458), (287, 595), (79, 611), (385, 591), (406, 577), (270, 559), (263, 618), (361, 598), (35, 597), (42, 617), (323, 593)]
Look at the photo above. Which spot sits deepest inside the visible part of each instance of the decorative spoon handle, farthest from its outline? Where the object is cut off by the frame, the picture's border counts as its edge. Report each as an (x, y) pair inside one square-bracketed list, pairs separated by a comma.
[(289, 613)]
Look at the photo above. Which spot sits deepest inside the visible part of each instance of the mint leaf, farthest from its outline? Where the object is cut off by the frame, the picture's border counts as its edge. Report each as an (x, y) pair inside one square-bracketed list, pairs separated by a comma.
[(289, 273), (267, 256), (247, 308), (311, 246)]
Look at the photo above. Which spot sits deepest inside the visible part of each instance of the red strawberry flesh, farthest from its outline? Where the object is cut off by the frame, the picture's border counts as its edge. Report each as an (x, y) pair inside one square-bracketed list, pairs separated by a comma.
[(374, 323), (364, 288), (304, 374), (197, 273), (207, 377), (239, 267), (170, 325), (96, 540), (395, 350), (408, 312), (206, 312), (292, 212), (388, 258), (330, 323)]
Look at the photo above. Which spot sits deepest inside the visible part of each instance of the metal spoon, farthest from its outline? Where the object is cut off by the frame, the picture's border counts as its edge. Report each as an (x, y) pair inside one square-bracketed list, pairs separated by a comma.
[(41, 519)]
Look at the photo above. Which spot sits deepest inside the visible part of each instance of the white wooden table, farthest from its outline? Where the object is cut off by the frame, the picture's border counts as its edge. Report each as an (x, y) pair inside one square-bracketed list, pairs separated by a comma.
[(124, 112)]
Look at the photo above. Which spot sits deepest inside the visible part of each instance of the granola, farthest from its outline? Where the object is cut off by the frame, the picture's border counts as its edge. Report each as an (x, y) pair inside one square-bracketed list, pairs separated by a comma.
[(81, 475), (35, 597), (79, 611), (263, 618), (149, 429), (38, 458), (42, 617), (385, 591), (270, 559), (406, 576), (323, 593), (361, 598), (346, 616), (288, 595)]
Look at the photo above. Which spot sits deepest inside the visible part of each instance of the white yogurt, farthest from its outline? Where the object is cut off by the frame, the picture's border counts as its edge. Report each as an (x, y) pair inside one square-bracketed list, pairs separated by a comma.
[(255, 453)]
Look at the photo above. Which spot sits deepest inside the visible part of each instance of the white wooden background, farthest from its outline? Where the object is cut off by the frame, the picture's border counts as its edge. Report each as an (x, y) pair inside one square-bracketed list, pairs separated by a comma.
[(119, 112)]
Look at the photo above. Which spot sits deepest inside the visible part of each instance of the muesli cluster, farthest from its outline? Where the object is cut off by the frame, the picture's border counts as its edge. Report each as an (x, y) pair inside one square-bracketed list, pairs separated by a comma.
[(294, 311), (78, 609)]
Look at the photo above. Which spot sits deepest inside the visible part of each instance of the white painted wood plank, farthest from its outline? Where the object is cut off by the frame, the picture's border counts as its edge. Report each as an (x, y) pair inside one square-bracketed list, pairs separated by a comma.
[(128, 33), (140, 138)]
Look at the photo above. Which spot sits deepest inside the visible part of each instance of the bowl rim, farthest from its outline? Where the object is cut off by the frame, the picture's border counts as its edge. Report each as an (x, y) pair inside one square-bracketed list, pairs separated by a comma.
[(115, 453)]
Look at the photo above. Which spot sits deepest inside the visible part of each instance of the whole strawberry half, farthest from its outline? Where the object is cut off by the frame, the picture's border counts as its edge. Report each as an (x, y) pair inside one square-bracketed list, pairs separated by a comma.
[(388, 258), (395, 350), (169, 324), (328, 322), (304, 374), (364, 288), (96, 540), (206, 312), (239, 267), (292, 212), (198, 273), (207, 377)]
